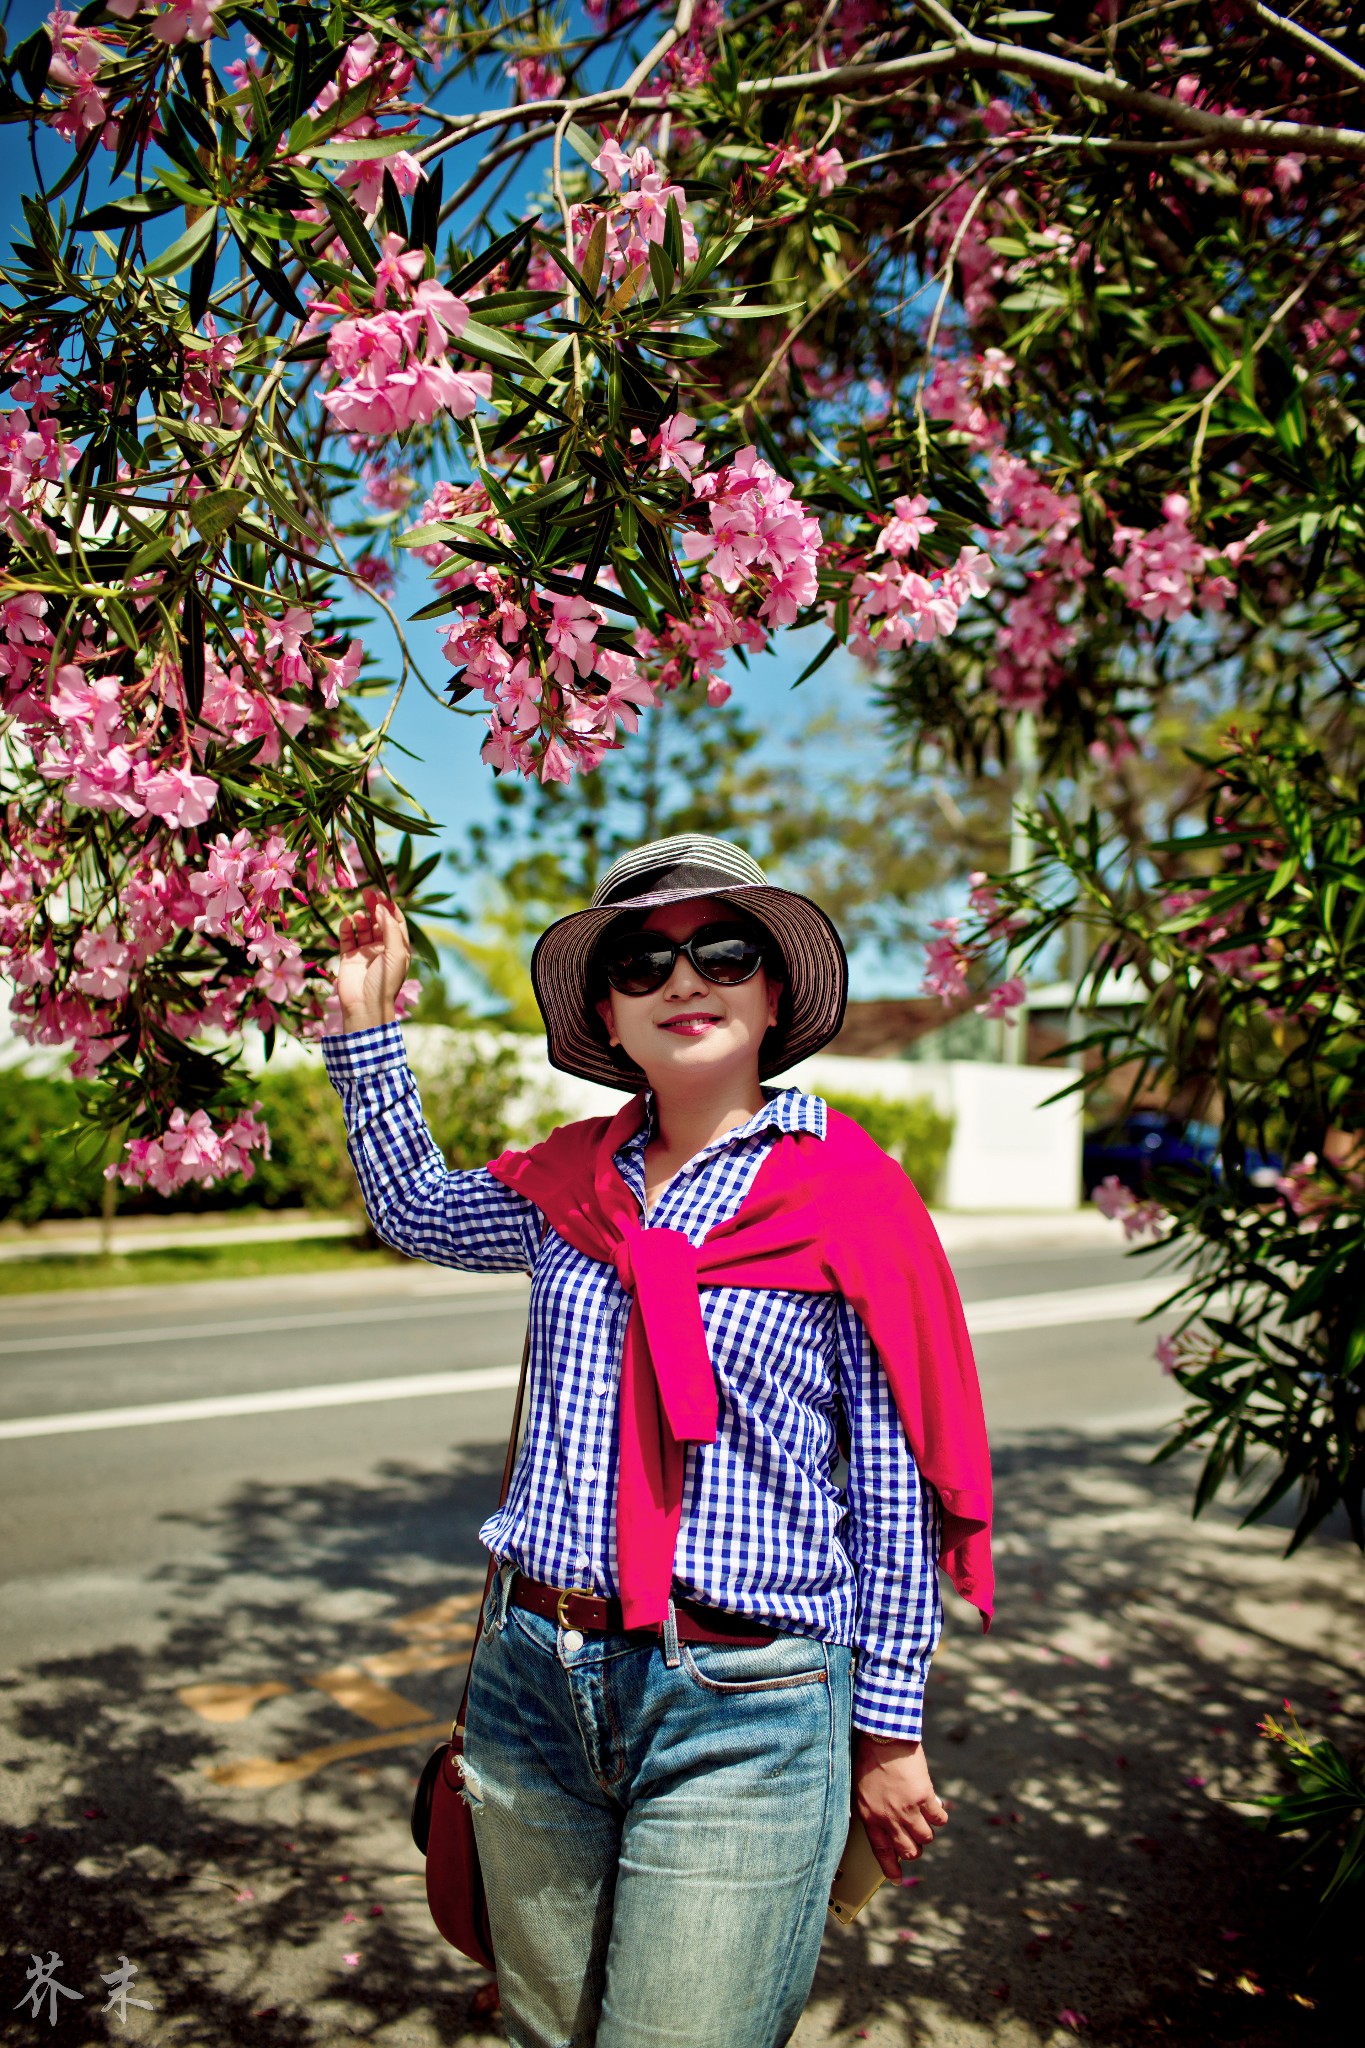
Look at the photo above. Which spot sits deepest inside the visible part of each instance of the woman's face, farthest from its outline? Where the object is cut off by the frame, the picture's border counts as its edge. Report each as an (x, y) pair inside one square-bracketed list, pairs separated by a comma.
[(691, 1028)]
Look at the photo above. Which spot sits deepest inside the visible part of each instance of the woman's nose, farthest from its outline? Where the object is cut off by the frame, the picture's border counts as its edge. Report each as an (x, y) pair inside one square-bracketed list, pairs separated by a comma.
[(684, 981)]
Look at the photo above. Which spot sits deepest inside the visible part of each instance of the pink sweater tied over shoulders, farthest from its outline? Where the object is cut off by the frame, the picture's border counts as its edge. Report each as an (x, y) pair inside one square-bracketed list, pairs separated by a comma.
[(823, 1216)]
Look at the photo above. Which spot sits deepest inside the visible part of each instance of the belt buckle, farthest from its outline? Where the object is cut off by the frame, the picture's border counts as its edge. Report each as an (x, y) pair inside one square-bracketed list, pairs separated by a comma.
[(571, 1593)]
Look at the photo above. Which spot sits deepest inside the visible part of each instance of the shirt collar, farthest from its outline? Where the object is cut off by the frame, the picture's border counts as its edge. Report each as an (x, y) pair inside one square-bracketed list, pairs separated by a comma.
[(785, 1110)]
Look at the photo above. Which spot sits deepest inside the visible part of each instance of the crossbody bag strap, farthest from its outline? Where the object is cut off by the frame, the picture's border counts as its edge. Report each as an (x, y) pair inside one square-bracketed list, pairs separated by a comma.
[(513, 1443)]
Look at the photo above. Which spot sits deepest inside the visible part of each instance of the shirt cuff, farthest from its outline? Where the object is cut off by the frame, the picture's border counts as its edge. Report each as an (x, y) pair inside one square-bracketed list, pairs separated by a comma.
[(887, 1704), (354, 1055)]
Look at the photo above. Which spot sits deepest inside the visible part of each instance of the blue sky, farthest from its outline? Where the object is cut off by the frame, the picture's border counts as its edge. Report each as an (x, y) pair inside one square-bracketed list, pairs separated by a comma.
[(446, 775)]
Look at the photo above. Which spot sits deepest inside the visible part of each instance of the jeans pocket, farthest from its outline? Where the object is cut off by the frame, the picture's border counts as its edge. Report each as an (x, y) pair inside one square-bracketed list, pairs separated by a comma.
[(757, 1667)]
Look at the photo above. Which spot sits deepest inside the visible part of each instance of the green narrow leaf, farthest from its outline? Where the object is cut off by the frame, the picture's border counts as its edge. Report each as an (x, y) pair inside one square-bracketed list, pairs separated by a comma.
[(352, 231), (192, 649), (186, 248), (216, 511), (579, 139), (595, 255), (273, 279)]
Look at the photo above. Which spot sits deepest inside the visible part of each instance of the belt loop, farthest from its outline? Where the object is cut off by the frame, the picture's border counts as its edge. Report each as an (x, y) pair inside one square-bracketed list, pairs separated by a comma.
[(672, 1654)]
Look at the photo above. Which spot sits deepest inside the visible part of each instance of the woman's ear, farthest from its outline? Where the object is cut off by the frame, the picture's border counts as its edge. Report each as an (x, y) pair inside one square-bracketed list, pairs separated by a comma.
[(604, 1011), (774, 1000)]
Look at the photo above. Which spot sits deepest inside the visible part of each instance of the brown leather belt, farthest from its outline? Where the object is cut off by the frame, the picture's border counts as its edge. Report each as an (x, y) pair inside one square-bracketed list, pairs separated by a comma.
[(594, 1616)]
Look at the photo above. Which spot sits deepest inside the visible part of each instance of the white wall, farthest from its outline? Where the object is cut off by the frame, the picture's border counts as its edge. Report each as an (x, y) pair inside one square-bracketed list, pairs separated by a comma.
[(1009, 1152)]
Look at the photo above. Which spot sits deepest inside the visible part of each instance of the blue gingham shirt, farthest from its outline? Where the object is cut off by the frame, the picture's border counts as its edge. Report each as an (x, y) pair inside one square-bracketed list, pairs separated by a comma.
[(767, 1529)]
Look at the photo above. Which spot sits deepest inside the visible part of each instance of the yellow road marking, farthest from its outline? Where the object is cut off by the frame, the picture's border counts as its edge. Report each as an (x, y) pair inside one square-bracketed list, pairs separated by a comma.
[(419, 1656), (353, 1689), (437, 1638), (260, 1773), (227, 1702), (436, 1620)]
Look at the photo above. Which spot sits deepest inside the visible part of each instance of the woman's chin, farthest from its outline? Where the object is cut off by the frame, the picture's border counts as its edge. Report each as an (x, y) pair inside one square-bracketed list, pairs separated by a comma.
[(679, 1052)]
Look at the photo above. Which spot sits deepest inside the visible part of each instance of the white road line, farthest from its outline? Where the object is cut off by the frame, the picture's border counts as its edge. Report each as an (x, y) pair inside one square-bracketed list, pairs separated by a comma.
[(349, 1393), (255, 1326), (1077, 1305), (984, 1318)]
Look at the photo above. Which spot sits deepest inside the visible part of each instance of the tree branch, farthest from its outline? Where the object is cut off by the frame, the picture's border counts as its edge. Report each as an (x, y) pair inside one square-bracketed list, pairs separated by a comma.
[(1296, 31), (964, 53)]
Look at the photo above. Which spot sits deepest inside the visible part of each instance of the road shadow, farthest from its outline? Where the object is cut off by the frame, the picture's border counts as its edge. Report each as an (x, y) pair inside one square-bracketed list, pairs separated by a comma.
[(1096, 1747)]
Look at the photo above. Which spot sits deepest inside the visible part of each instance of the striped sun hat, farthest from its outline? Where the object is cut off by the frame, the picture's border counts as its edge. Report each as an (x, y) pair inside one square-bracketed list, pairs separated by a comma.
[(671, 871)]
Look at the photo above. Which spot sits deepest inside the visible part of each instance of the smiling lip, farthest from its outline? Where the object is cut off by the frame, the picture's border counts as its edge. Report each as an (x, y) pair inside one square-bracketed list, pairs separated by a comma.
[(692, 1025)]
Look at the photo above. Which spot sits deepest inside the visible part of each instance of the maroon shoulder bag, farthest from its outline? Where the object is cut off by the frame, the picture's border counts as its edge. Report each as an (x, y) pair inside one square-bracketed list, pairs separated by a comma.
[(442, 1824)]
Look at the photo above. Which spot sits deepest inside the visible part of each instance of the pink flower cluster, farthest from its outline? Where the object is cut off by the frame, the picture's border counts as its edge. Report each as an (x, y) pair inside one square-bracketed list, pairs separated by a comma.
[(207, 363), (895, 606), (821, 169), (32, 455), (393, 364), (81, 739), (1165, 573), (536, 80), (556, 698), (1309, 1191), (1036, 634), (636, 217), (702, 641), (176, 21), (948, 961), (77, 58), (1121, 1205), (761, 540), (190, 1150), (388, 72), (688, 63)]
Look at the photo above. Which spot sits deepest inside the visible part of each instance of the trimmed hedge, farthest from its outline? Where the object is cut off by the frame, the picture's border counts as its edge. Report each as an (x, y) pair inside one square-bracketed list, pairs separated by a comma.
[(914, 1132)]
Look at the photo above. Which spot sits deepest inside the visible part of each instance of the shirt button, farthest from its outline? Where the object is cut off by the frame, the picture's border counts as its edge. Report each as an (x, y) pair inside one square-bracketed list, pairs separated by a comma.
[(590, 1471), (603, 1388)]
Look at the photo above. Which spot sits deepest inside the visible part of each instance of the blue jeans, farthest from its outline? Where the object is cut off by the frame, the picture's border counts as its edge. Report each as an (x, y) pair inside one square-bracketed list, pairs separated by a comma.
[(658, 1838)]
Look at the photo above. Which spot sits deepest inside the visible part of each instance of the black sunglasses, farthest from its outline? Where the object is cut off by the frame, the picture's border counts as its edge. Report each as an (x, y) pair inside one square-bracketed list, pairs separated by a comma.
[(642, 962)]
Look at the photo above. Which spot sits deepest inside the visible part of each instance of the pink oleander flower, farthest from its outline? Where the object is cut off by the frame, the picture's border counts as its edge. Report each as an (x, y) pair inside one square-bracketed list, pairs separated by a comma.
[(674, 448), (340, 673), (106, 965), (827, 170), (1121, 1205), (993, 371), (947, 961), (1167, 1354), (569, 636), (906, 528), (535, 79), (1160, 570), (191, 1150), (615, 166), (1003, 1001), (178, 795), (761, 536), (388, 490)]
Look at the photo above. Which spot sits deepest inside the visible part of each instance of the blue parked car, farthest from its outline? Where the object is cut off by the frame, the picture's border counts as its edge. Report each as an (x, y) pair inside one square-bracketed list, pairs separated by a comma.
[(1151, 1137)]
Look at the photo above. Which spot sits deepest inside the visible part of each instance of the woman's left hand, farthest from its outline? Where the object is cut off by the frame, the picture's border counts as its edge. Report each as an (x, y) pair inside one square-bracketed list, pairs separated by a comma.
[(895, 1797)]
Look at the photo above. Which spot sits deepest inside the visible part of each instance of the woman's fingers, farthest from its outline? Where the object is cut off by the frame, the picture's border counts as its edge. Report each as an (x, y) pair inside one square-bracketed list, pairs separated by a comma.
[(882, 1838)]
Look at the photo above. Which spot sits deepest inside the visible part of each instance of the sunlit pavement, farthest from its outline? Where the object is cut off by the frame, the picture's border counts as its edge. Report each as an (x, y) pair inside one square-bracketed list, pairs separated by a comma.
[(237, 1526)]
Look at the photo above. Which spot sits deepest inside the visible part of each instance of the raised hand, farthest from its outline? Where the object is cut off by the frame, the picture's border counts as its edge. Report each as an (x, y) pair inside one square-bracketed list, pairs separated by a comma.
[(372, 962)]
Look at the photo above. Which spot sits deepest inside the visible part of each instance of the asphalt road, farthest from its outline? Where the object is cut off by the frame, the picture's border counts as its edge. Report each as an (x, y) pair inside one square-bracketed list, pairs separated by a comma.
[(238, 1565), (92, 1516)]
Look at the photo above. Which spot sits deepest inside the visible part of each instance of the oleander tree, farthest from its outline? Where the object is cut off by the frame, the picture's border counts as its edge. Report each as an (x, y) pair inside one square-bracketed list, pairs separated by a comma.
[(1018, 349)]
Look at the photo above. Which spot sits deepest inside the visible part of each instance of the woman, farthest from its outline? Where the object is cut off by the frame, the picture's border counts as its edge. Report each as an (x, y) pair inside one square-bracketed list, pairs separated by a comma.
[(665, 1711)]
